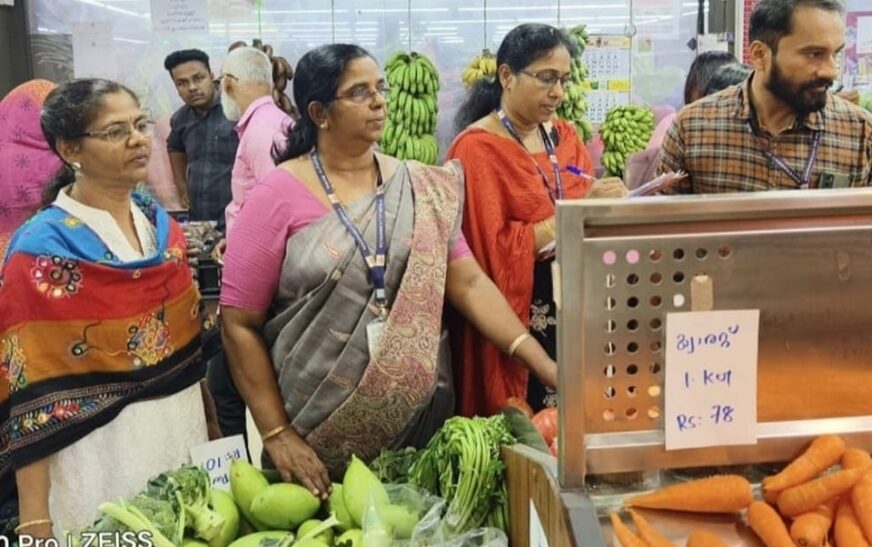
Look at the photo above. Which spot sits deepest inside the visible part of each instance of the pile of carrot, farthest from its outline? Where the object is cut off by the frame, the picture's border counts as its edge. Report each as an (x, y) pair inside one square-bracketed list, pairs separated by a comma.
[(822, 498)]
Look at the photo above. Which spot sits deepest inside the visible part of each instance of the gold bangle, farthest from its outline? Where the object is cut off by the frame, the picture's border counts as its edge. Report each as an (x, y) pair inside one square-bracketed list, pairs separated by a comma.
[(31, 524), (275, 432), (518, 341)]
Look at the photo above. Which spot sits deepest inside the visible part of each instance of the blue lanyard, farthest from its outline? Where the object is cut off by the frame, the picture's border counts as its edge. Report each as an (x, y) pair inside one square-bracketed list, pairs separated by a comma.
[(375, 263), (801, 182), (549, 148)]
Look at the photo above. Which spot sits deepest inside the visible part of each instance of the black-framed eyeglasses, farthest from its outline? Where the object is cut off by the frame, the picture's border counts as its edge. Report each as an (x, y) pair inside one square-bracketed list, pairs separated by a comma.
[(121, 132), (361, 95), (548, 79)]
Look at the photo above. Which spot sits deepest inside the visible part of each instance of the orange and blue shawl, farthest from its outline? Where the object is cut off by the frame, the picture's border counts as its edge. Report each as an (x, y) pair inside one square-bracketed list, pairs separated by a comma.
[(83, 335)]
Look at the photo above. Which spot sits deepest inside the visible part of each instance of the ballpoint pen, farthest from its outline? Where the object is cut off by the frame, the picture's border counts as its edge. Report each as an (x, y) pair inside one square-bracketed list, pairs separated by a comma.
[(579, 172)]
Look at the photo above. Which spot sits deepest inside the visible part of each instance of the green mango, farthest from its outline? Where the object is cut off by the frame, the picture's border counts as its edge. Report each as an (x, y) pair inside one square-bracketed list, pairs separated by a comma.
[(360, 487), (246, 482), (284, 506), (223, 504), (326, 536), (336, 506), (191, 542)]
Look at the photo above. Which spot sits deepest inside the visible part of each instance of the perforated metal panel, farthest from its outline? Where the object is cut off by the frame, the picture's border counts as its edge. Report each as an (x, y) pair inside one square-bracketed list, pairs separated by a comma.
[(803, 258)]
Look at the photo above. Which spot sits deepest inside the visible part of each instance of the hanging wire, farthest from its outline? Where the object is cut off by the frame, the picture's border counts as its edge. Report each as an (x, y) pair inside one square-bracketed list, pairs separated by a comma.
[(259, 6), (333, 19), (484, 25), (409, 13)]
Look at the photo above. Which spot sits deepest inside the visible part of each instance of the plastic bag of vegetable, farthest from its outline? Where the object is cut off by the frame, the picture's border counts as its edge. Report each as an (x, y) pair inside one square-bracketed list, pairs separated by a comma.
[(414, 517)]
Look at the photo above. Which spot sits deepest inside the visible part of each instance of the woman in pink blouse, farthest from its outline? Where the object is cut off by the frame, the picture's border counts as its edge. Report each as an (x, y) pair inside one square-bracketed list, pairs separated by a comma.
[(336, 354)]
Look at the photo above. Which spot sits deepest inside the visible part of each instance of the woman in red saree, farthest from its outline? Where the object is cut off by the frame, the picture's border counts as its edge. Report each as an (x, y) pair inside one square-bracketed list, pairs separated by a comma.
[(335, 276), (519, 159)]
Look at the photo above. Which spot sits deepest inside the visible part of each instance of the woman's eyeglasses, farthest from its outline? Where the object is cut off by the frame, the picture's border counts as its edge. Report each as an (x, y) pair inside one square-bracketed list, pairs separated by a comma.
[(122, 131), (549, 79), (361, 95)]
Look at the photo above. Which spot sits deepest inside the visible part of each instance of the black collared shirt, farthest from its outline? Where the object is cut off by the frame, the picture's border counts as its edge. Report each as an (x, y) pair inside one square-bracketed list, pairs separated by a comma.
[(209, 141)]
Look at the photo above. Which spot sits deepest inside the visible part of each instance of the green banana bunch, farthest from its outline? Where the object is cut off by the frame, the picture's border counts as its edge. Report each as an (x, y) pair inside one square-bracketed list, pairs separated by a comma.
[(412, 108), (574, 106), (626, 129)]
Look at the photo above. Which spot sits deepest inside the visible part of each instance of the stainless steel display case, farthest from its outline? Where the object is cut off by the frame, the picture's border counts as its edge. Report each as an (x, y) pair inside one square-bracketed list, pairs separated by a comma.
[(803, 258)]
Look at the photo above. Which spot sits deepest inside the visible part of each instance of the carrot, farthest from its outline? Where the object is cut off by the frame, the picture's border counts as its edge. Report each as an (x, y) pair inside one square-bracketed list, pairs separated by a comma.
[(861, 499), (650, 534), (768, 526), (847, 529), (856, 457), (770, 496), (805, 497), (718, 494), (704, 538), (821, 454), (624, 534), (811, 529)]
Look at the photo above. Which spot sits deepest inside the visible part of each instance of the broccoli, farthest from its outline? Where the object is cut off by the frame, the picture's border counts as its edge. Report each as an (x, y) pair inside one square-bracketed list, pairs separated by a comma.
[(167, 516), (191, 487), (163, 519), (135, 519)]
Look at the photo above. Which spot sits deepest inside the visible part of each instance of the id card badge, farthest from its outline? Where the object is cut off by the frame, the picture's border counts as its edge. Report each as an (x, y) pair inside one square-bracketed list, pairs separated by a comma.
[(374, 331)]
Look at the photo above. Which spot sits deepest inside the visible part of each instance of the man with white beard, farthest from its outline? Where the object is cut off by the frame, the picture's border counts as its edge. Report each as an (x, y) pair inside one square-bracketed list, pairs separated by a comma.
[(246, 89), (246, 99)]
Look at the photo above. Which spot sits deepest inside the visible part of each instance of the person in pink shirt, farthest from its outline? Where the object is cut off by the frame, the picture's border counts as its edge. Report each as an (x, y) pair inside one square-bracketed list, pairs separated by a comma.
[(246, 89), (247, 99)]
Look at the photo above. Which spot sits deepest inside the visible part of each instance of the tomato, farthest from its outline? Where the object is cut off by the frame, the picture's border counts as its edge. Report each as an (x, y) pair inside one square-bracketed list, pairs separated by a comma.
[(546, 422), (520, 404)]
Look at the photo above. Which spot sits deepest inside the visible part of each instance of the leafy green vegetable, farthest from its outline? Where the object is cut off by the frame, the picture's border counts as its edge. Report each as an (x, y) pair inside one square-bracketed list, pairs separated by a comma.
[(462, 464), (191, 486), (392, 466), (523, 430)]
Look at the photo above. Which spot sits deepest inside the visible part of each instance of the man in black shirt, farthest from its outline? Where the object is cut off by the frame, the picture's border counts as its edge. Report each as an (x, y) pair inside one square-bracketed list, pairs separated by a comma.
[(202, 148), (202, 141)]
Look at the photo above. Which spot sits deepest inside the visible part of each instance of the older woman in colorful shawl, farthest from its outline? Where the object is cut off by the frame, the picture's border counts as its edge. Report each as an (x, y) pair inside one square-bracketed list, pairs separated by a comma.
[(335, 277), (27, 163), (99, 325)]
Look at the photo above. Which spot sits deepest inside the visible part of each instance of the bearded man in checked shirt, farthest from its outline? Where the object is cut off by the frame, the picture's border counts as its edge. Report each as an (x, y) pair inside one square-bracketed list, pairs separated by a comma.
[(781, 128)]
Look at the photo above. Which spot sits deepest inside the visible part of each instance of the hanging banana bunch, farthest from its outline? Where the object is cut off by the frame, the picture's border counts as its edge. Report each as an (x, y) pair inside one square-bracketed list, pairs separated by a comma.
[(483, 65), (627, 130), (409, 132), (574, 106)]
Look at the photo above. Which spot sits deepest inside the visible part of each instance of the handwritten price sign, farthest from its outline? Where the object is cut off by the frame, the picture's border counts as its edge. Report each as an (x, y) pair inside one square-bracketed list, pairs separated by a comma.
[(215, 458), (711, 378)]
